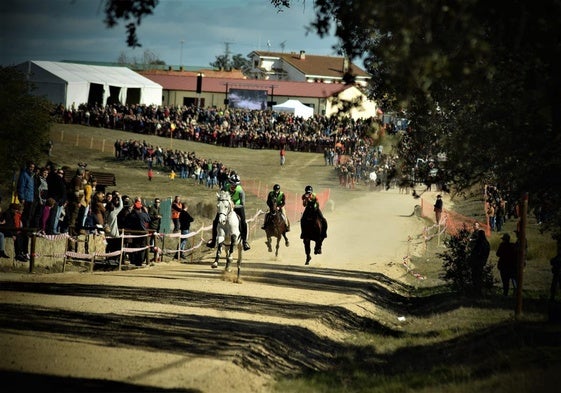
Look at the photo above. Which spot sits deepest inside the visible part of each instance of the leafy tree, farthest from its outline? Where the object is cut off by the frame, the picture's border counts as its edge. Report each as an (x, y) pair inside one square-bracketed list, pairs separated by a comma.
[(148, 60), (24, 124), (241, 63), (478, 81), (222, 62), (133, 10), (238, 62)]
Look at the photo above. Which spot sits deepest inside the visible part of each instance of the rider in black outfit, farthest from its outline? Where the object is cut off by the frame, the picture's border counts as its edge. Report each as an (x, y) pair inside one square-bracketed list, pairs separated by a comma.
[(309, 199)]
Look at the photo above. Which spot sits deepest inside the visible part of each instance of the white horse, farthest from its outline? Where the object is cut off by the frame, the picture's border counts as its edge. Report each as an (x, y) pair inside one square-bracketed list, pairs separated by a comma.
[(228, 231)]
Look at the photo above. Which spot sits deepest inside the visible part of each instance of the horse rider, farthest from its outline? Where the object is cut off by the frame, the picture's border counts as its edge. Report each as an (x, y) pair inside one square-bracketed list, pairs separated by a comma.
[(276, 200), (309, 199), (233, 186)]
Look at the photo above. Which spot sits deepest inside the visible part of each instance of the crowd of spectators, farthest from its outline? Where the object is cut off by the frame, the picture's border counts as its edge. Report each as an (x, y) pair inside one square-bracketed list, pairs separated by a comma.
[(257, 129)]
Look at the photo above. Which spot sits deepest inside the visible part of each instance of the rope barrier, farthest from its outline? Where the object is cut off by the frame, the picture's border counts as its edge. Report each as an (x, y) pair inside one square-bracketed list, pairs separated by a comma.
[(158, 251)]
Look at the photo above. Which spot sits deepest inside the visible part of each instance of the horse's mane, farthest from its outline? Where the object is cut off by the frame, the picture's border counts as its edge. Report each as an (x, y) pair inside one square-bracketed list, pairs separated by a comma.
[(223, 195), (310, 210)]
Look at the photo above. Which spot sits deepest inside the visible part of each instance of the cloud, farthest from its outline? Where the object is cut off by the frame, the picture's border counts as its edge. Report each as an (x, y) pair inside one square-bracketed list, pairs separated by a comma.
[(74, 30)]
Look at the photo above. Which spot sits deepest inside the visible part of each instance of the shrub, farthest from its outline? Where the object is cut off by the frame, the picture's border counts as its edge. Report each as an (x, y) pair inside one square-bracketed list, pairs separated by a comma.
[(457, 269)]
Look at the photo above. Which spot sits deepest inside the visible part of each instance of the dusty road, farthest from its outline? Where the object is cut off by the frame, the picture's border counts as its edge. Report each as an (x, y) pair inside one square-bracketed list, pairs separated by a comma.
[(187, 327)]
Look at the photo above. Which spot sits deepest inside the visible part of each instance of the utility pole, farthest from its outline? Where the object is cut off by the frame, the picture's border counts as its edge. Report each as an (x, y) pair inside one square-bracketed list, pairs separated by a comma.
[(227, 55), (181, 56)]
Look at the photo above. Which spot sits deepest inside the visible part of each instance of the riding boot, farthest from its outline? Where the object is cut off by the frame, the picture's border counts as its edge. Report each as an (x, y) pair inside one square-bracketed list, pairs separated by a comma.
[(265, 221), (244, 236)]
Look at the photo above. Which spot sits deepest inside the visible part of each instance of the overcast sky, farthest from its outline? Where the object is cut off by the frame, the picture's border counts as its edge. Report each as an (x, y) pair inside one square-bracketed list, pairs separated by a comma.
[(73, 30)]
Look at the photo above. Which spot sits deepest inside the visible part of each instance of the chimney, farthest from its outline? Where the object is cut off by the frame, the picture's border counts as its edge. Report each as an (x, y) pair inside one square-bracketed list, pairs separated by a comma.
[(302, 55), (345, 64)]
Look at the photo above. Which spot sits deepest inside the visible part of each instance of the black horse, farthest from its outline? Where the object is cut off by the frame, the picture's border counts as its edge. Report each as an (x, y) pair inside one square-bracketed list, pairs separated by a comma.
[(314, 228), (275, 227)]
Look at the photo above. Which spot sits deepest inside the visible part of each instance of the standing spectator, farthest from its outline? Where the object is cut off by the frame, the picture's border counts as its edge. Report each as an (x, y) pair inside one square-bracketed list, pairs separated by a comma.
[(500, 214), (57, 191), (89, 184), (507, 263), (185, 220), (491, 216), (138, 221), (112, 210), (438, 205), (150, 174), (478, 256), (48, 216), (212, 177), (13, 220), (176, 208), (473, 236), (282, 156), (155, 214), (41, 192), (127, 209), (74, 196), (98, 210), (26, 193), (326, 156)]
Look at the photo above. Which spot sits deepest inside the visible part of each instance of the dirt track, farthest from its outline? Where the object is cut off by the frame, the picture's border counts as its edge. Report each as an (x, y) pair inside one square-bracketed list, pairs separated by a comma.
[(188, 327)]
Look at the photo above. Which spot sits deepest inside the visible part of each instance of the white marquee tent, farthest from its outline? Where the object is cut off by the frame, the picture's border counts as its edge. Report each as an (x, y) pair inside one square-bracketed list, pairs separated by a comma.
[(296, 107), (72, 84)]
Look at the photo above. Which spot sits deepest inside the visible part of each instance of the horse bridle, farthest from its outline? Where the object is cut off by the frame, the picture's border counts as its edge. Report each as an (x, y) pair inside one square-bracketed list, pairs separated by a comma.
[(230, 207)]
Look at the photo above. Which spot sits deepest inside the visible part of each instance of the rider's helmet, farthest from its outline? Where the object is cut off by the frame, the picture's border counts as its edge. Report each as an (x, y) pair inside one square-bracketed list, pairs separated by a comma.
[(235, 179), (309, 190), (276, 188)]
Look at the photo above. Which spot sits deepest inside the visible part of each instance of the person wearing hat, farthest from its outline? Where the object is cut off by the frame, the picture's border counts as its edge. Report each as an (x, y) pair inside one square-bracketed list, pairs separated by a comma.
[(237, 193), (309, 199), (438, 205), (507, 263), (276, 200)]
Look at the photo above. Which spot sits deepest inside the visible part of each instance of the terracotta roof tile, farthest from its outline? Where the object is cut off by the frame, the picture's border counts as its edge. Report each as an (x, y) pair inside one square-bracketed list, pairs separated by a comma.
[(188, 82), (331, 66)]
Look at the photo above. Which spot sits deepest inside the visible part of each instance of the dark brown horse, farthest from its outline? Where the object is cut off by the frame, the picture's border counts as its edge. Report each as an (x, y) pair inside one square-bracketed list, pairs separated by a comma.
[(275, 227), (314, 228)]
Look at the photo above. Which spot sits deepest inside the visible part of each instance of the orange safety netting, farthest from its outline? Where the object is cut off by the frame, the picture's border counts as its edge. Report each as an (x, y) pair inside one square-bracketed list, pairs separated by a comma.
[(293, 205), (453, 221)]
